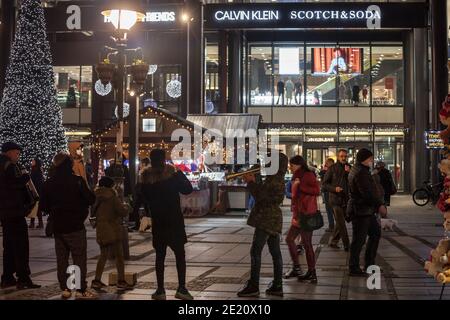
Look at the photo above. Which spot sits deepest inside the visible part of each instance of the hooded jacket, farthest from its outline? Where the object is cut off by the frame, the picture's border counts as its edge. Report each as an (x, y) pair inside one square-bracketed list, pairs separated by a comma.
[(109, 211), (66, 197), (161, 188), (266, 214)]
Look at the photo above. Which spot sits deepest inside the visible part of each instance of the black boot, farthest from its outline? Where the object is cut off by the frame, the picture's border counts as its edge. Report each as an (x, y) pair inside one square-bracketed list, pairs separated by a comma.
[(294, 272), (309, 276), (275, 290), (250, 290), (357, 272)]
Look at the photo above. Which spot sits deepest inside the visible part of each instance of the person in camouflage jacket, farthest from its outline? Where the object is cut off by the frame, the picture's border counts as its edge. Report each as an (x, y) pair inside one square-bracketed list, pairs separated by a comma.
[(267, 219)]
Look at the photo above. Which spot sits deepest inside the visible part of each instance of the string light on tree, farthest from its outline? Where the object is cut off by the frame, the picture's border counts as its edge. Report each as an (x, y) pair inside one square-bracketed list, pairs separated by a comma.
[(101, 89), (29, 112)]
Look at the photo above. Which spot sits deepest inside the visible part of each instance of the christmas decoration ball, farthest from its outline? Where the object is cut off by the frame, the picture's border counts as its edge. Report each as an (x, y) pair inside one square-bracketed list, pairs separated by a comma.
[(101, 89), (173, 89), (152, 68), (444, 259), (126, 110)]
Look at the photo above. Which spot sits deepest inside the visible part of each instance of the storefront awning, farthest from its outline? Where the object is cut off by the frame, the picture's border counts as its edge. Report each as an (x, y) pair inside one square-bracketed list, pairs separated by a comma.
[(227, 121)]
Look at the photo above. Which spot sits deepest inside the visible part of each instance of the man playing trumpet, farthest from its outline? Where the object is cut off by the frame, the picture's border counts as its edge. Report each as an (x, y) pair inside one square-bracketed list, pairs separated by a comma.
[(266, 217)]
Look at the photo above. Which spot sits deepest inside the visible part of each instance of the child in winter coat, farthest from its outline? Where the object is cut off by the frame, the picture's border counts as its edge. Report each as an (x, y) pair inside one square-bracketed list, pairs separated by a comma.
[(109, 211)]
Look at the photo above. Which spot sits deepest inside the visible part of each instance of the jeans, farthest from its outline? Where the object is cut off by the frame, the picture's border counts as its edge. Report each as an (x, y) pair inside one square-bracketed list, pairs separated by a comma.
[(74, 243), (363, 227), (180, 257), (15, 250), (340, 230), (251, 202), (306, 236), (329, 210), (117, 249), (260, 238)]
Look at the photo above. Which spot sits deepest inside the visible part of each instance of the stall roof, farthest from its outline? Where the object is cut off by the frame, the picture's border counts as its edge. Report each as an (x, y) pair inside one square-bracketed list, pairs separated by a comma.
[(224, 121)]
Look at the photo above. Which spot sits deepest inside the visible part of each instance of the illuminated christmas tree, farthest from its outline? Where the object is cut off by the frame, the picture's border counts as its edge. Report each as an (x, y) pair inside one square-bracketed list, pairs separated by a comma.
[(29, 112)]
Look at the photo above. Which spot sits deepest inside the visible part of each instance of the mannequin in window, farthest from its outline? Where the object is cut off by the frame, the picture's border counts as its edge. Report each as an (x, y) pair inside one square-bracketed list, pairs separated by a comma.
[(280, 90), (338, 63), (289, 91), (298, 91), (355, 94)]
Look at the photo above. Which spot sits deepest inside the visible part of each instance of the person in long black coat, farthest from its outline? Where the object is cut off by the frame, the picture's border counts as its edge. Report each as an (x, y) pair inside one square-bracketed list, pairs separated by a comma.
[(161, 188), (37, 176)]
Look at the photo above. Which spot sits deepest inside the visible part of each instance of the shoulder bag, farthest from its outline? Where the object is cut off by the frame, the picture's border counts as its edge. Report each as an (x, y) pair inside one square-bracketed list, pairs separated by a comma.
[(312, 222)]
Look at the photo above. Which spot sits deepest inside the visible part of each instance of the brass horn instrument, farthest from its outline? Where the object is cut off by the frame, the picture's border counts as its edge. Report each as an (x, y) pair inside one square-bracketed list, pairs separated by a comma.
[(243, 173)]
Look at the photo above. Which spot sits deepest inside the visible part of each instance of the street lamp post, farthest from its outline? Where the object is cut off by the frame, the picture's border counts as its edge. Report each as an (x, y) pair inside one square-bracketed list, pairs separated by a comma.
[(123, 17)]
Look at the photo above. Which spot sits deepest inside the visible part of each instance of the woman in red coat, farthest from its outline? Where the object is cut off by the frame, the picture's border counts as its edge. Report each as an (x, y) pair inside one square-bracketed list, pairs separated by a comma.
[(305, 190)]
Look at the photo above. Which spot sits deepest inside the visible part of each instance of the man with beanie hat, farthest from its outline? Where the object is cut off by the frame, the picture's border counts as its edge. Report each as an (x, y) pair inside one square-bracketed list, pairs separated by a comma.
[(13, 210), (363, 208)]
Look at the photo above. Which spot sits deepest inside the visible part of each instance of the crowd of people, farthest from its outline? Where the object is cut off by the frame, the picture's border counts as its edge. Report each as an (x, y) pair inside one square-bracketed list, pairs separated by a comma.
[(351, 194)]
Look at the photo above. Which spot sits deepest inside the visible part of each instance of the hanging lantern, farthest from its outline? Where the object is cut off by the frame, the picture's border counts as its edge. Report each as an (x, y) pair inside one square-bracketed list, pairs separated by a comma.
[(139, 71), (105, 71)]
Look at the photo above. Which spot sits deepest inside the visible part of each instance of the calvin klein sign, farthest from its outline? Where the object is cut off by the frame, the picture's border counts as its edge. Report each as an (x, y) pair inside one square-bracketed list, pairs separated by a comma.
[(316, 15), (247, 15)]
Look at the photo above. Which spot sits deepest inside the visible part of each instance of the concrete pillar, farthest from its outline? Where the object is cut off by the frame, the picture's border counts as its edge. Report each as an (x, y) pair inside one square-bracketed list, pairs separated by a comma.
[(193, 79), (223, 71), (439, 78), (234, 72), (421, 107)]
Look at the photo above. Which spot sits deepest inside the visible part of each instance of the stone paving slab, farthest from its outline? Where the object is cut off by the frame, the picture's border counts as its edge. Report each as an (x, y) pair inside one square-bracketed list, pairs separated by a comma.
[(218, 261)]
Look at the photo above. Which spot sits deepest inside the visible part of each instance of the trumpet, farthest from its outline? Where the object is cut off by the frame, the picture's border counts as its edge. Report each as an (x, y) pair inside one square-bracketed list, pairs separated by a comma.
[(243, 173)]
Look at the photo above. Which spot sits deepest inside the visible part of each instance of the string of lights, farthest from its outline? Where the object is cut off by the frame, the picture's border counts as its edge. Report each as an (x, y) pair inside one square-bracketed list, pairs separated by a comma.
[(29, 112)]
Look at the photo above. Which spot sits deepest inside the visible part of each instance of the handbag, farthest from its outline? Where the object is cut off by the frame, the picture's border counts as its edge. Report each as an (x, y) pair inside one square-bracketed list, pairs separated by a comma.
[(312, 222), (34, 212)]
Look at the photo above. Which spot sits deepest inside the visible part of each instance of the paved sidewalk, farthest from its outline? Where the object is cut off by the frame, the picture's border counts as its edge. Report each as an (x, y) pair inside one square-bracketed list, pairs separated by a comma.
[(219, 263)]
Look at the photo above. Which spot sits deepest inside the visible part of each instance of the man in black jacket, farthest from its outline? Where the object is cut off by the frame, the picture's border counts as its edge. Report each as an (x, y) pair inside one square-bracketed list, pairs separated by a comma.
[(335, 183), (364, 204), (67, 197), (387, 182), (161, 188), (13, 210)]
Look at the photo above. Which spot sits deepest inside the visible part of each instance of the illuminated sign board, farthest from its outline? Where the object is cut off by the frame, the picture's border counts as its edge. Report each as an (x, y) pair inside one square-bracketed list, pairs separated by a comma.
[(433, 140), (316, 15)]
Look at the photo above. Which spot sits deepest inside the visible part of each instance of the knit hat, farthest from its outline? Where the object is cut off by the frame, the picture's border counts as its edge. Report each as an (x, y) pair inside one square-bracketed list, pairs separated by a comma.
[(157, 158), (363, 155), (8, 146), (60, 158), (106, 182)]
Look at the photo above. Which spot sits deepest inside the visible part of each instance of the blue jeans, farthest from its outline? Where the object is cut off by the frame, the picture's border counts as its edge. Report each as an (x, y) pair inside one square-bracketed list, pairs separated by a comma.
[(260, 238), (329, 210), (251, 202)]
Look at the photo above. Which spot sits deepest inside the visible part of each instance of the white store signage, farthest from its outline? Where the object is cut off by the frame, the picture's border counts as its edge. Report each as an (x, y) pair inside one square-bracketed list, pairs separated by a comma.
[(372, 12), (155, 16)]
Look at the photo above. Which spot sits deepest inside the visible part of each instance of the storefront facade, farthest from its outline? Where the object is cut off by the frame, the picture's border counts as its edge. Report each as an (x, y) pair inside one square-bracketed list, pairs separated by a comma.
[(324, 75)]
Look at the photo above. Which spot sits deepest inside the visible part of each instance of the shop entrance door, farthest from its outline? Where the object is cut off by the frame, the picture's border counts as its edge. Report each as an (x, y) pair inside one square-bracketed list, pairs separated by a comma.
[(317, 153)]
